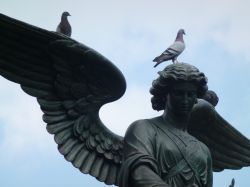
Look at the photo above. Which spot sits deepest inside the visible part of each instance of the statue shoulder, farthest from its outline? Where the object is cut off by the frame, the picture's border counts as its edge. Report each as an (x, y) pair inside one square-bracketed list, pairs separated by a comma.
[(142, 127), (202, 145), (205, 148)]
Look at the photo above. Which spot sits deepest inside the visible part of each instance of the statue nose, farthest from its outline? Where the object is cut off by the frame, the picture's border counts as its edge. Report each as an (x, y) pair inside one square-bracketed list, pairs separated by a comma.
[(185, 98)]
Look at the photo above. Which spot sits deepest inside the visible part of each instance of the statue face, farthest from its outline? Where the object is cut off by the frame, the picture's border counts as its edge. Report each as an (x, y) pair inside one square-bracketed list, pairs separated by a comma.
[(182, 98)]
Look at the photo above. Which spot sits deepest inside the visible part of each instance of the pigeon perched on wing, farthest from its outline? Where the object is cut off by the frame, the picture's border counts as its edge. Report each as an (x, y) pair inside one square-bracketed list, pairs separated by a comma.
[(64, 26), (173, 51)]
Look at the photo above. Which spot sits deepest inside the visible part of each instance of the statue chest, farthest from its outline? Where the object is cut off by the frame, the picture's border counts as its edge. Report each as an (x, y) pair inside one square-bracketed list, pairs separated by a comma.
[(169, 157)]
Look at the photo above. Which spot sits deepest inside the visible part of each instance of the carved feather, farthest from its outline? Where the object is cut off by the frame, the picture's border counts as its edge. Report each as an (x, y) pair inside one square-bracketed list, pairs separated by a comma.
[(229, 148)]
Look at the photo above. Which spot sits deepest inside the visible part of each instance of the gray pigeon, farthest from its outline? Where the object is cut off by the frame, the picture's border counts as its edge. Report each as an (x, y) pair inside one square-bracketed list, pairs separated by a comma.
[(173, 51), (64, 26)]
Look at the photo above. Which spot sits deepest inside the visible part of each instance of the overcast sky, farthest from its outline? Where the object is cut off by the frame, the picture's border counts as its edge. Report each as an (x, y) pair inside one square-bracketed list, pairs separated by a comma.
[(130, 34)]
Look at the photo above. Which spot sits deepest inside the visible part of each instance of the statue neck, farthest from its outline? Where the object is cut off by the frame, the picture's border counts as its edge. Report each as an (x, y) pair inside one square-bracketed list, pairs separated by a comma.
[(179, 122)]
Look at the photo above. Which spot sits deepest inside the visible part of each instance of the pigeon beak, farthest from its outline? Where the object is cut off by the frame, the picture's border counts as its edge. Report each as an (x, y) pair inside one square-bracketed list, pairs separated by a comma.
[(184, 32)]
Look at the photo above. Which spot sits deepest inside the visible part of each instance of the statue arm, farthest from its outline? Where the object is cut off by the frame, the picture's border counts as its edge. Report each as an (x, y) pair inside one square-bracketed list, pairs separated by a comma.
[(140, 168), (144, 176)]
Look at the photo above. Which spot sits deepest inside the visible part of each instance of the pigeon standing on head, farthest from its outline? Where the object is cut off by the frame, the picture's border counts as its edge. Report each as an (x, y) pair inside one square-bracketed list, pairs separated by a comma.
[(64, 26), (173, 51)]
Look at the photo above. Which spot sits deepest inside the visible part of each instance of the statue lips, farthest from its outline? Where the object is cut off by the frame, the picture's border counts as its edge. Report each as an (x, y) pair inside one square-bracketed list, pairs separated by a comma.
[(185, 109), (184, 106)]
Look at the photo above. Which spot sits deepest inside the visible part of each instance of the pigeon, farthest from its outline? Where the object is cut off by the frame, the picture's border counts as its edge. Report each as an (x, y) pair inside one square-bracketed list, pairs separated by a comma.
[(173, 51), (64, 26)]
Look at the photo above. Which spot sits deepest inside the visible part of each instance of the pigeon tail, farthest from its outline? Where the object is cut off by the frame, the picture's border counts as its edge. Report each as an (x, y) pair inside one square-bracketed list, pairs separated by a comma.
[(157, 60), (157, 64)]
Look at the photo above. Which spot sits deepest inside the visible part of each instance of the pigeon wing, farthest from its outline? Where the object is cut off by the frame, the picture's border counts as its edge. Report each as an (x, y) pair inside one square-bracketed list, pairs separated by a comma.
[(71, 82), (175, 49), (171, 52), (228, 147), (58, 28), (64, 28)]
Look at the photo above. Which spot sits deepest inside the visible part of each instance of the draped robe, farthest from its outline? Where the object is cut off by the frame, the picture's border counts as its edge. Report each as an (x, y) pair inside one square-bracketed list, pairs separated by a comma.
[(153, 159)]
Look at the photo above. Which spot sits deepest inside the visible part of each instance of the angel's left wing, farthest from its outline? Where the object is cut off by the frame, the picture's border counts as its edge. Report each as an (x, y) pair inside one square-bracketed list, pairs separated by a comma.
[(229, 148), (71, 82)]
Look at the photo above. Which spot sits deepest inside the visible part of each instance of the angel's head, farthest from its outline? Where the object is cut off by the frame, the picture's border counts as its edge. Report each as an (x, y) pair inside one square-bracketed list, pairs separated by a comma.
[(177, 75)]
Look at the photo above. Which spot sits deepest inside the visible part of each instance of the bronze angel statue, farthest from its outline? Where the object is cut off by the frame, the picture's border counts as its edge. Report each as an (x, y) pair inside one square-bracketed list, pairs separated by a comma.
[(180, 148)]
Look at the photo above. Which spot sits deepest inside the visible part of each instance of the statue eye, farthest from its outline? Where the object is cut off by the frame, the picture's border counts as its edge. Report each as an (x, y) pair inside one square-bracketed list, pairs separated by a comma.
[(178, 92), (191, 94)]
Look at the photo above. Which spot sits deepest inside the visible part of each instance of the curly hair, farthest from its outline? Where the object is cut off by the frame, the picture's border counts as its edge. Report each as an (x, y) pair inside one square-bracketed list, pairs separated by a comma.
[(179, 72)]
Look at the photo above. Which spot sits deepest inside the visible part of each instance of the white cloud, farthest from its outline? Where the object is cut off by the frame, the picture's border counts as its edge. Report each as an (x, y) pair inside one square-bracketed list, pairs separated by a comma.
[(138, 31), (23, 130), (21, 123), (149, 26), (134, 105)]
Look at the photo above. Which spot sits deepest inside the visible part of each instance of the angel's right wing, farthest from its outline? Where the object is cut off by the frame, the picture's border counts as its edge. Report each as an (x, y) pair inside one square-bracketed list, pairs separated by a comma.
[(71, 82), (229, 148)]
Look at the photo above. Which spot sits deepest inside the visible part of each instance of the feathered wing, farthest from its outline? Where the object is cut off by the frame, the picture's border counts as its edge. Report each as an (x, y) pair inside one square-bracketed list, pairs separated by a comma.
[(229, 148), (71, 83)]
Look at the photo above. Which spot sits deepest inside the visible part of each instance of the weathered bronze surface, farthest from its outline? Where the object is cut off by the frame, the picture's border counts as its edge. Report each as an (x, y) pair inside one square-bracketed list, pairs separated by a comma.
[(72, 82), (160, 151)]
